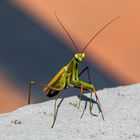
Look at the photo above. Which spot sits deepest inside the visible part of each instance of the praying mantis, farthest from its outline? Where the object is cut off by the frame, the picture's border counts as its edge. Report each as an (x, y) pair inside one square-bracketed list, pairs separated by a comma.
[(69, 76)]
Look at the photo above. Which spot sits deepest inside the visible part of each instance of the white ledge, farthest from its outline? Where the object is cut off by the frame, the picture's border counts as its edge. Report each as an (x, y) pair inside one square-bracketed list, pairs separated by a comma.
[(121, 107)]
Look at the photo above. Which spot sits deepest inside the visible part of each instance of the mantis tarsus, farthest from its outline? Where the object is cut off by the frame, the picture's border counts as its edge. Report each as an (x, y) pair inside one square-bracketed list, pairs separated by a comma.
[(68, 76)]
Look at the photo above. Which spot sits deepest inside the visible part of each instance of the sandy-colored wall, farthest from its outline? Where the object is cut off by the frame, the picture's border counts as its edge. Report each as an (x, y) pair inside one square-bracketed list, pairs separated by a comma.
[(116, 50)]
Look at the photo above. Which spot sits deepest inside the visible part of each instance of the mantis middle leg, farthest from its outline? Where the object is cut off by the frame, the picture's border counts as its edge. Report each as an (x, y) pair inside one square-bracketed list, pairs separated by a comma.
[(94, 90)]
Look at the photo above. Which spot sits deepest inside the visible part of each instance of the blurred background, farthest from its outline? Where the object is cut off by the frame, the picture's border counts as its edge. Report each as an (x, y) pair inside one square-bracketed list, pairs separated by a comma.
[(33, 46)]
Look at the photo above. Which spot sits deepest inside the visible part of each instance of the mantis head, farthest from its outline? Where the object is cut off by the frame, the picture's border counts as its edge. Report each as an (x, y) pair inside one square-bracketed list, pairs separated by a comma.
[(79, 57)]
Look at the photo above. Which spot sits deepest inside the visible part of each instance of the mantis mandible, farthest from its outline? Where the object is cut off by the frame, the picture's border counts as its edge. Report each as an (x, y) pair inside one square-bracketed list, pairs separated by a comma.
[(69, 75)]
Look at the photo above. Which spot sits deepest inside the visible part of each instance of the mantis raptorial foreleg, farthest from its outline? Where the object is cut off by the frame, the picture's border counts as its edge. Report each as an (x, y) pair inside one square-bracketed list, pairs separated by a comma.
[(94, 90), (99, 104), (89, 78)]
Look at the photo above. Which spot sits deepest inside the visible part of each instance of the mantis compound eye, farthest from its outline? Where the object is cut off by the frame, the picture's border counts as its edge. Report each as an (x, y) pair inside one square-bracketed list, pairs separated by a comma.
[(83, 55), (76, 56)]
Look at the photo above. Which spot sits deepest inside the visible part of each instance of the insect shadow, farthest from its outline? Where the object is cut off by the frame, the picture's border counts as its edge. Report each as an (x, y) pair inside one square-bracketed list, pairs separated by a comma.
[(87, 99), (84, 98)]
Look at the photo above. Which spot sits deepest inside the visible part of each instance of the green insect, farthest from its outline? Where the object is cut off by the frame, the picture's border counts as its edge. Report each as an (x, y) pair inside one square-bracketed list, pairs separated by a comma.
[(69, 75)]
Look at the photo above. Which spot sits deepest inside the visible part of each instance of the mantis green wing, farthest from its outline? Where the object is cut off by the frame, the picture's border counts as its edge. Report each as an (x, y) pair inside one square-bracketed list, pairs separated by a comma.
[(58, 82)]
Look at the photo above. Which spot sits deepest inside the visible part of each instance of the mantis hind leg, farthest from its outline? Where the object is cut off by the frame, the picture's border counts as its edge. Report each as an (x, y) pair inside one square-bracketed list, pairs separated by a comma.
[(55, 113), (30, 89), (39, 84), (57, 89)]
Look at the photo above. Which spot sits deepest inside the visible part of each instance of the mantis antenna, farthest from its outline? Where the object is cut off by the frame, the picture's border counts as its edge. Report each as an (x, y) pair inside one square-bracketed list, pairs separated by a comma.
[(99, 32), (66, 32)]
